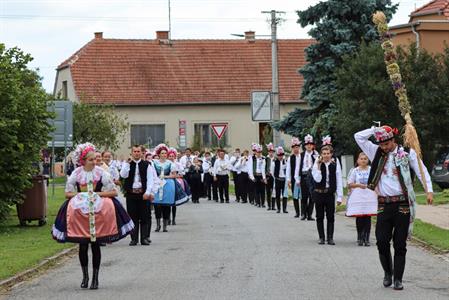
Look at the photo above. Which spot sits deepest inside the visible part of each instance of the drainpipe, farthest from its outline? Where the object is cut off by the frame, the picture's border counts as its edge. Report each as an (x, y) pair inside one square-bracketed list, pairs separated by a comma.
[(417, 39)]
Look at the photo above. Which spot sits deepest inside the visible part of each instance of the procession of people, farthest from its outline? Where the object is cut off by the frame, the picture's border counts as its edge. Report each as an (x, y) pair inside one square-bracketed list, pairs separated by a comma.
[(311, 176)]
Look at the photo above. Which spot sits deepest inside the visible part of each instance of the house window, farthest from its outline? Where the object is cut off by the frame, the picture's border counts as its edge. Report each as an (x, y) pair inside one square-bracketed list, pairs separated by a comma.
[(150, 135), (205, 137), (64, 89)]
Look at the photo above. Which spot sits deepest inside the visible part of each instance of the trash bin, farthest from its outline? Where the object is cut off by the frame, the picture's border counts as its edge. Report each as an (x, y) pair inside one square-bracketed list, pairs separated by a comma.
[(34, 206)]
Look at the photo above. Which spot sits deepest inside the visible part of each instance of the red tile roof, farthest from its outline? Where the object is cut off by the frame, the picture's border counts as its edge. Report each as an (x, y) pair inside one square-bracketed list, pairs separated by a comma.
[(436, 6), (146, 72)]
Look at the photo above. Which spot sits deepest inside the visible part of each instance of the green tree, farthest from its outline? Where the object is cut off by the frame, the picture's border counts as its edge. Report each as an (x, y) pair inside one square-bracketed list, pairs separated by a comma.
[(99, 125), (340, 26), (23, 125), (365, 95)]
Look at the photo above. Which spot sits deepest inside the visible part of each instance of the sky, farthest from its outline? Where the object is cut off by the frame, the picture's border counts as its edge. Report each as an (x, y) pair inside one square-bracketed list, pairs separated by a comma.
[(52, 30)]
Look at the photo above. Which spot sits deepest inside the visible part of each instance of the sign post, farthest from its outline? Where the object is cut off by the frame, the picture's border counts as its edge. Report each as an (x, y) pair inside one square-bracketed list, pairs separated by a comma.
[(261, 106), (219, 129)]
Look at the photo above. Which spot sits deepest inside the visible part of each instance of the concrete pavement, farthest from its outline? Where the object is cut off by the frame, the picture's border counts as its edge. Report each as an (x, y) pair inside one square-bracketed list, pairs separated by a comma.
[(237, 251)]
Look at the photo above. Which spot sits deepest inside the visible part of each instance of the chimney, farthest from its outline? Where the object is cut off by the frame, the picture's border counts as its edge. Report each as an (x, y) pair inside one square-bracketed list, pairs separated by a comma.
[(250, 36), (162, 35), (98, 35)]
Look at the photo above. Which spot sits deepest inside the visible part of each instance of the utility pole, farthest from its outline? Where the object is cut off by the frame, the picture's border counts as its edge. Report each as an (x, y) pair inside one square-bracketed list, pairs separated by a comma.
[(274, 73)]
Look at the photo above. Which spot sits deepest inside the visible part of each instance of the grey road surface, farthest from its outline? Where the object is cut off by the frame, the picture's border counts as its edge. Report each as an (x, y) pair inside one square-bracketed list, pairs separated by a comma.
[(236, 251)]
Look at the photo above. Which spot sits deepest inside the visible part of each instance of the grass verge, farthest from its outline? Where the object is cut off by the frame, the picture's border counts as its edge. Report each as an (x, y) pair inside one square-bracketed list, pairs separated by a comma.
[(431, 235), (24, 247)]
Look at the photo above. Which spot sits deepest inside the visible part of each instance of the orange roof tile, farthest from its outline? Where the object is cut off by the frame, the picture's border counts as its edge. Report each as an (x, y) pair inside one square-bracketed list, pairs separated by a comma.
[(133, 72), (435, 6)]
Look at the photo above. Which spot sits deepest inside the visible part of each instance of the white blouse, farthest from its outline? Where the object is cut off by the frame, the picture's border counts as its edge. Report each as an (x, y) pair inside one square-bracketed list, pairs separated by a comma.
[(81, 176)]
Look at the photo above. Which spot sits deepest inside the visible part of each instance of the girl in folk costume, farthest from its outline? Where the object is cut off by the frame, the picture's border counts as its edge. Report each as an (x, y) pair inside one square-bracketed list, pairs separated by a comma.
[(304, 176), (278, 171), (195, 172), (168, 191), (358, 178), (292, 165), (270, 180), (243, 166), (172, 155), (391, 179), (326, 173), (258, 176), (92, 214)]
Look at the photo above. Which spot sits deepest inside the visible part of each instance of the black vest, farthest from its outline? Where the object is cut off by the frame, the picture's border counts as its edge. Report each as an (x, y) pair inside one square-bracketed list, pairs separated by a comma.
[(292, 166), (143, 166), (277, 168), (301, 162), (332, 177)]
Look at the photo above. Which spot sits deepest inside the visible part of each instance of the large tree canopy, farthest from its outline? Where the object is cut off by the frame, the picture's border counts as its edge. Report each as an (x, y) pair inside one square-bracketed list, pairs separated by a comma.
[(23, 125), (339, 27), (365, 94)]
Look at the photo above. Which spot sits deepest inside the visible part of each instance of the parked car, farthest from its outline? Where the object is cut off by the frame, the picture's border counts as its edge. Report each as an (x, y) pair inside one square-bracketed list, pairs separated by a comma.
[(440, 171)]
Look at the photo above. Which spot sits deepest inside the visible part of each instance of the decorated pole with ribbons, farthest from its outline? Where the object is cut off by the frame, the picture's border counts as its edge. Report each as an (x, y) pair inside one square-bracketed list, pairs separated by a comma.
[(410, 136)]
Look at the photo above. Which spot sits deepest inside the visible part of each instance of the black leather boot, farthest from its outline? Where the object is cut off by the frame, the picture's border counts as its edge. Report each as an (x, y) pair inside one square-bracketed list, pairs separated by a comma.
[(158, 225), (387, 265), (360, 238), (366, 240), (169, 221), (173, 222), (330, 234), (164, 225), (144, 235), (284, 205), (296, 204), (94, 283), (278, 203), (85, 282), (399, 266)]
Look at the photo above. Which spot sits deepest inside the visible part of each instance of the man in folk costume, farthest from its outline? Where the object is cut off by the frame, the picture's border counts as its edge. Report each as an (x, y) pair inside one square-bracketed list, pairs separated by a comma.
[(391, 178), (292, 164), (252, 184), (258, 176), (270, 180), (278, 170), (221, 175), (301, 174), (135, 175), (214, 183), (233, 161)]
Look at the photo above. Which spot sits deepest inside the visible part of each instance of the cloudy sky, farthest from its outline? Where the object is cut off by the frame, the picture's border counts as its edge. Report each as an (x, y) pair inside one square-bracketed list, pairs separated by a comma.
[(51, 30)]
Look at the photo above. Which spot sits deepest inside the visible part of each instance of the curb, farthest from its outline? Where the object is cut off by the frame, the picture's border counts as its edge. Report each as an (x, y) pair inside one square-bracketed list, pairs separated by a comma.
[(427, 245), (9, 282)]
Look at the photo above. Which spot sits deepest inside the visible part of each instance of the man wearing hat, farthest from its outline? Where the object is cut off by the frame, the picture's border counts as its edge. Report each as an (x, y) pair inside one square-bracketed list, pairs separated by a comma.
[(390, 178), (270, 180), (278, 170), (258, 176), (251, 183), (292, 164), (301, 174)]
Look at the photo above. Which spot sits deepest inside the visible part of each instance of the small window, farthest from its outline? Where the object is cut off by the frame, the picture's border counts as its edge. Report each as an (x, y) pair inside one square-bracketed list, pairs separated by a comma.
[(150, 135), (64, 89), (205, 137)]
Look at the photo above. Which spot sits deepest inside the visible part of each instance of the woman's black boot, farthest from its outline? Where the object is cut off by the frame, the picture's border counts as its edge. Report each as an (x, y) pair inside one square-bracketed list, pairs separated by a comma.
[(94, 283), (85, 282)]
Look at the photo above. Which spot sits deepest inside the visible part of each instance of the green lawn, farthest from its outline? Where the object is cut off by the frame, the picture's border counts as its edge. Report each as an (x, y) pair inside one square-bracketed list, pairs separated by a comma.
[(24, 247), (431, 234), (438, 199)]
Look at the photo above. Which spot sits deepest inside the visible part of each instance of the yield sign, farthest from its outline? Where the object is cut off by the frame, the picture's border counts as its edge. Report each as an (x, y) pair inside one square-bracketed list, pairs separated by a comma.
[(219, 129)]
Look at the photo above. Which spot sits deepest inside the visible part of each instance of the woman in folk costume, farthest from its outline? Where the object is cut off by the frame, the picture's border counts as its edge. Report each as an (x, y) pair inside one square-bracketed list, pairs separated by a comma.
[(91, 215), (390, 177), (172, 156), (292, 165), (270, 180), (358, 178), (168, 191), (326, 173), (278, 171)]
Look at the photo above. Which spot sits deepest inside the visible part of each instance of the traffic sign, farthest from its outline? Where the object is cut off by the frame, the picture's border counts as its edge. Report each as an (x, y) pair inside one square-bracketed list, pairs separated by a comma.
[(261, 106), (219, 129)]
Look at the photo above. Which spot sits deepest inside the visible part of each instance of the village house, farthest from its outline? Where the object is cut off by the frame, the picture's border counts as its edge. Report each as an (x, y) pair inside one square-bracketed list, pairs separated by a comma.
[(172, 90)]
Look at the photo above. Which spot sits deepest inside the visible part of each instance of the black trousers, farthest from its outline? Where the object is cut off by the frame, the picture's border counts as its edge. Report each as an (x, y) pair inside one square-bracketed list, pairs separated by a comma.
[(295, 200), (392, 223), (269, 191), (306, 199), (325, 203), (214, 190), (279, 190), (96, 255), (138, 210), (363, 225), (223, 187), (251, 191), (208, 181), (173, 213), (243, 179), (260, 191), (196, 188), (162, 211), (235, 179)]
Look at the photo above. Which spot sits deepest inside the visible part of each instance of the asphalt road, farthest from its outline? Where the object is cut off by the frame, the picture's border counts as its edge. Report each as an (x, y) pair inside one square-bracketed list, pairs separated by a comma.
[(237, 251)]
